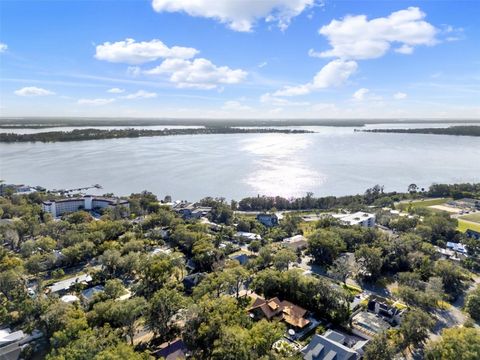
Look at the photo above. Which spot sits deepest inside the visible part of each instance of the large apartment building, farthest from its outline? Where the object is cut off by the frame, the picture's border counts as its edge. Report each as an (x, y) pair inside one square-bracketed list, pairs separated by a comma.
[(358, 218), (69, 205)]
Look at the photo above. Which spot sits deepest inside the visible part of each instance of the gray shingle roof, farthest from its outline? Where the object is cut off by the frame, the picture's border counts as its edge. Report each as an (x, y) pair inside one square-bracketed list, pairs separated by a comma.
[(323, 348)]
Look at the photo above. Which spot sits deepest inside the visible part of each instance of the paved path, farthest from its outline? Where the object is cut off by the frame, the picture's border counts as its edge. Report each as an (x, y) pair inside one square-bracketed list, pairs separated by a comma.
[(454, 316)]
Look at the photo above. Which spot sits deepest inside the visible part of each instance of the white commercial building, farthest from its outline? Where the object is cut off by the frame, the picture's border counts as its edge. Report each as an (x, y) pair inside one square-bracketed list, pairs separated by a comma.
[(69, 205), (359, 218)]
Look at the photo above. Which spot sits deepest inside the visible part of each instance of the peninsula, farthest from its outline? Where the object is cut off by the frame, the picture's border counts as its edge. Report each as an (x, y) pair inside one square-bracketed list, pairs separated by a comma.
[(470, 130), (97, 134)]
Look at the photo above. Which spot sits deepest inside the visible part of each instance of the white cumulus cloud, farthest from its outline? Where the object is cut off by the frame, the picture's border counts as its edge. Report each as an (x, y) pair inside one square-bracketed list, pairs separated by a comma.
[(356, 37), (360, 94), (3, 47), (33, 91), (235, 106), (335, 73), (277, 101), (131, 52), (140, 94), (399, 96), (198, 73), (95, 102), (239, 15), (116, 91)]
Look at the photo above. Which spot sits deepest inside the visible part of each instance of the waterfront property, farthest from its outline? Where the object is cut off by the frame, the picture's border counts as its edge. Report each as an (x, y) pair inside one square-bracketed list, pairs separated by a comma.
[(16, 189), (190, 211), (88, 203)]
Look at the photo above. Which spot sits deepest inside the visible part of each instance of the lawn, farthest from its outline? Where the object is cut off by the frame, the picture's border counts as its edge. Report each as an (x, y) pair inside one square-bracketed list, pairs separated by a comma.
[(464, 225), (422, 203), (431, 202)]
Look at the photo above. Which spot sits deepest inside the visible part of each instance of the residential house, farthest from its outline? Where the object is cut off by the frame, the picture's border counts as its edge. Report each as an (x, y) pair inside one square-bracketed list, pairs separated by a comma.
[(69, 298), (192, 280), (368, 325), (247, 236), (269, 220), (295, 242), (191, 211), (472, 234), (293, 315), (457, 247), (16, 189), (172, 350), (87, 294), (13, 342), (381, 307), (61, 287), (242, 258), (331, 346)]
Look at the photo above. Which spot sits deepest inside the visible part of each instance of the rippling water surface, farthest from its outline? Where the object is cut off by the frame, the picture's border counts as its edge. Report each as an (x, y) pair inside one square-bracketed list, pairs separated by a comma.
[(332, 161)]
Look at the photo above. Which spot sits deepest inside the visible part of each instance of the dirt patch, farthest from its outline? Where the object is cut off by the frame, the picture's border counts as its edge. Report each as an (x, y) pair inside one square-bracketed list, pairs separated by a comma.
[(446, 208)]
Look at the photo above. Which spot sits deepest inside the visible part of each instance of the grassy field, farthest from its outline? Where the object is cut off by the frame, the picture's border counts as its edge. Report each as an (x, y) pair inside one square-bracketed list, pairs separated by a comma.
[(423, 203), (472, 217), (464, 225), (426, 203)]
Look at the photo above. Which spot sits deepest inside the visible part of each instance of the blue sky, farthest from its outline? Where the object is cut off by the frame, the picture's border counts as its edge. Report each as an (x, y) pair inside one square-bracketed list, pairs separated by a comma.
[(240, 58)]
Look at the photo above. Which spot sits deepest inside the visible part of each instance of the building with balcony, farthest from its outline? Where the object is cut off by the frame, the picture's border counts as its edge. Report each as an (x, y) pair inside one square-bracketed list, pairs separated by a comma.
[(88, 203)]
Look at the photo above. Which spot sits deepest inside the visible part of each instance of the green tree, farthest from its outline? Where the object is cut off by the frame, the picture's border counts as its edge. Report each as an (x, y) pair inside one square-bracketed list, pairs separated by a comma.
[(162, 307), (205, 321), (325, 246), (263, 334), (370, 260), (127, 312), (87, 345), (113, 289), (379, 348), (155, 273), (254, 246), (452, 277), (414, 328), (283, 258), (233, 343), (455, 344), (473, 304), (122, 352), (341, 269)]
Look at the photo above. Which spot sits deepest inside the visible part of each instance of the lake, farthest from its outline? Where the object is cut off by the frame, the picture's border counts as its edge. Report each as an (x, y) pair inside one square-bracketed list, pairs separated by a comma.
[(332, 161)]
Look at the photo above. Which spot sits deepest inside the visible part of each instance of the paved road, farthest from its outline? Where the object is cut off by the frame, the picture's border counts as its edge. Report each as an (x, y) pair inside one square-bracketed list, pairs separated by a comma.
[(454, 315)]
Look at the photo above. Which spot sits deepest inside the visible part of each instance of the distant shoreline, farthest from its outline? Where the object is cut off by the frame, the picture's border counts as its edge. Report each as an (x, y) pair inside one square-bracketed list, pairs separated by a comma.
[(41, 122), (451, 130), (97, 134)]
